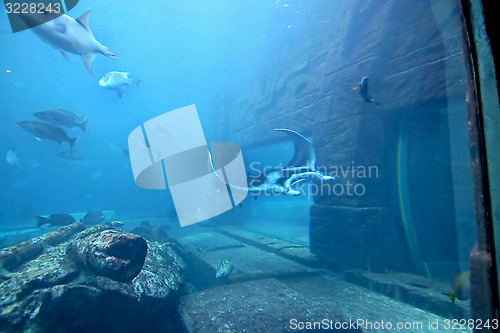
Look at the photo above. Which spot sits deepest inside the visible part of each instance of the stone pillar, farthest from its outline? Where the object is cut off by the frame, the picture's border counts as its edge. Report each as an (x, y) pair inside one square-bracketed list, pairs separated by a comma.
[(353, 222), (367, 228)]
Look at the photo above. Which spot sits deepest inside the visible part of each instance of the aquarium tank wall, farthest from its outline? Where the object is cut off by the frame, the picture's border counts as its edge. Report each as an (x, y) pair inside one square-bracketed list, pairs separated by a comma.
[(258, 166)]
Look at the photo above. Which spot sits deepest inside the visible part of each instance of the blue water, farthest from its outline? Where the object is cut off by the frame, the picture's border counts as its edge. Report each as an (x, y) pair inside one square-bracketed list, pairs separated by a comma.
[(280, 61), (212, 53), (189, 52)]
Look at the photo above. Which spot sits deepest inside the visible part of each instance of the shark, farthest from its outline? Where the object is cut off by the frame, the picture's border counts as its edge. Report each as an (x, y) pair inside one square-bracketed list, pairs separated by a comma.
[(43, 130), (69, 35), (300, 168)]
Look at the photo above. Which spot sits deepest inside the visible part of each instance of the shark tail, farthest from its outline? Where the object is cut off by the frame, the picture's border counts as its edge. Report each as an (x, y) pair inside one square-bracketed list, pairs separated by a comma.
[(84, 125), (41, 220), (72, 142)]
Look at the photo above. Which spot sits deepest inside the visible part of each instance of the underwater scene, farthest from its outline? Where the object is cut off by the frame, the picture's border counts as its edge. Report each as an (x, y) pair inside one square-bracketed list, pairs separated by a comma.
[(239, 166)]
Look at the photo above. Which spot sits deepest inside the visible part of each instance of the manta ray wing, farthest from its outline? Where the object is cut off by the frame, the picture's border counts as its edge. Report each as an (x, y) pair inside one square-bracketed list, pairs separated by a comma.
[(302, 167), (303, 155)]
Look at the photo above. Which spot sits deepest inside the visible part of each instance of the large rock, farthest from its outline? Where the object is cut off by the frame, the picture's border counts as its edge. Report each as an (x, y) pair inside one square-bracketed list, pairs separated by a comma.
[(110, 253), (257, 306), (15, 255), (53, 293)]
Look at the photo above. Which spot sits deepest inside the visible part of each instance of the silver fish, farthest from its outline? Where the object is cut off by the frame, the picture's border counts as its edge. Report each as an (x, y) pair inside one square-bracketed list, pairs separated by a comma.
[(71, 154), (12, 158), (66, 34), (225, 268), (44, 130), (62, 117), (117, 81)]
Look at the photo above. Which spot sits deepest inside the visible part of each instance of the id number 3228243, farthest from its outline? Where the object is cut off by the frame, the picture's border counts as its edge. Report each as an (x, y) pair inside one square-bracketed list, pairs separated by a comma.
[(32, 8)]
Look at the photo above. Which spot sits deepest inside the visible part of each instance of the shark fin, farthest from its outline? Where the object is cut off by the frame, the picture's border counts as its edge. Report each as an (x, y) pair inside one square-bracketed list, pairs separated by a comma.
[(119, 91), (84, 125), (84, 20), (65, 54), (72, 142), (87, 60)]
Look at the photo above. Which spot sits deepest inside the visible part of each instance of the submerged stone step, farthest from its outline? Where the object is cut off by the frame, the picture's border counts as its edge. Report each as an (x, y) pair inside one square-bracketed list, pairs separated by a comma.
[(207, 248), (423, 293), (255, 306), (202, 240), (251, 263), (290, 250), (375, 312)]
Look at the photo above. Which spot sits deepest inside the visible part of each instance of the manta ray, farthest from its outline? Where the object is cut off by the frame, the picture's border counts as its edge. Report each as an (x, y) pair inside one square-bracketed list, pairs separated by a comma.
[(302, 167)]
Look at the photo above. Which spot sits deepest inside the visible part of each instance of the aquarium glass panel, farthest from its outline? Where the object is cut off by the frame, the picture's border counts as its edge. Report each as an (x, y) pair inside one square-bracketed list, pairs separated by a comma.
[(247, 166)]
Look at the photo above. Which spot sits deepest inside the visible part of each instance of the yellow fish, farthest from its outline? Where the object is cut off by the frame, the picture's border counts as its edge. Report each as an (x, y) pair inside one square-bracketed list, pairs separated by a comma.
[(460, 286)]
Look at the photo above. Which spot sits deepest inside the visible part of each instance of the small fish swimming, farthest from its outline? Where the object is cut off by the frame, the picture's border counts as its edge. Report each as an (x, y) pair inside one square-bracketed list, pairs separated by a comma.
[(225, 268), (117, 81), (62, 117), (71, 154), (11, 158), (55, 220), (93, 216), (363, 91), (66, 34), (461, 287), (44, 130)]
